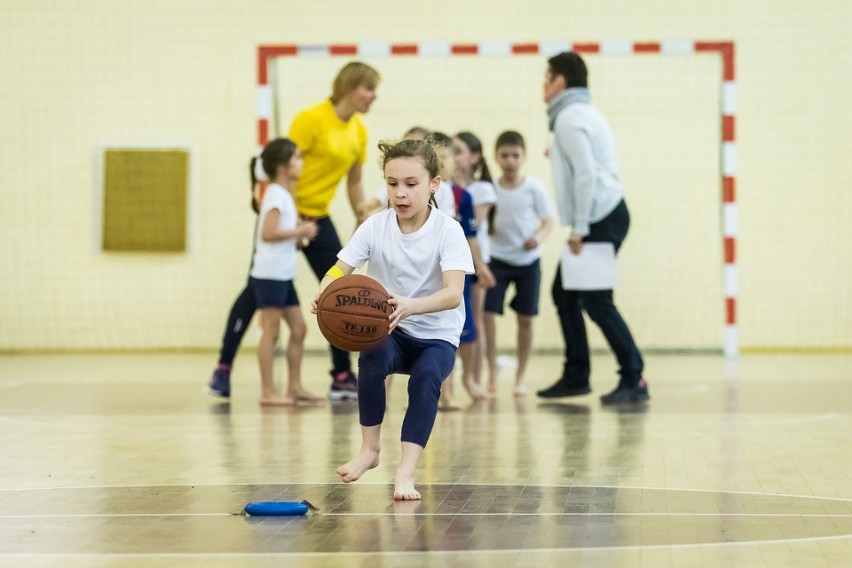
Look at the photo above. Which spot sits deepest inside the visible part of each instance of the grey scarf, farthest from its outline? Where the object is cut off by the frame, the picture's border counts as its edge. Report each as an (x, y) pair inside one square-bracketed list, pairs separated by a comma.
[(563, 99)]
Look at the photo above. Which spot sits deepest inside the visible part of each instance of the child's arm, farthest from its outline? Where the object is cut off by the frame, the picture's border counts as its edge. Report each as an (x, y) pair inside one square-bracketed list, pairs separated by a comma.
[(355, 190), (481, 213), (544, 228), (447, 298), (486, 278), (272, 234), (369, 207), (339, 269)]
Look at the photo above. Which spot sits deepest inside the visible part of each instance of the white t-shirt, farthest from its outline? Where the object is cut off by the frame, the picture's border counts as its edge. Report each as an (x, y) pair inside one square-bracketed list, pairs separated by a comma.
[(519, 214), (276, 261), (443, 197), (483, 193), (413, 265)]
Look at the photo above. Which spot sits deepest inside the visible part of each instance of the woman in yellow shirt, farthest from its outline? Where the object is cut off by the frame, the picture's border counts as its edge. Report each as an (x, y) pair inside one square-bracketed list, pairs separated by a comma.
[(333, 141)]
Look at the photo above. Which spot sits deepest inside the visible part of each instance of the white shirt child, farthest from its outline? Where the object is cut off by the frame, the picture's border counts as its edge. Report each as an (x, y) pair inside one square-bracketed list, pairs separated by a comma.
[(483, 193), (276, 261), (412, 265), (519, 214)]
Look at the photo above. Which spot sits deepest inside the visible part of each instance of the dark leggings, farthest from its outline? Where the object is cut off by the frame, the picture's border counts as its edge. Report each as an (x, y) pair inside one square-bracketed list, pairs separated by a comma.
[(238, 321), (321, 255), (428, 361)]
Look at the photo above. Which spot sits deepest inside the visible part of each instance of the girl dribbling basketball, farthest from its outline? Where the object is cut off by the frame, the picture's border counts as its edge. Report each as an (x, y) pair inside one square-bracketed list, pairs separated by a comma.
[(421, 257)]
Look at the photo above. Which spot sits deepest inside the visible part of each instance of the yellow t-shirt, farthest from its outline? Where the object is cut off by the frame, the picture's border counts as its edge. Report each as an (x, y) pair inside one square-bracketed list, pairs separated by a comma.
[(330, 147)]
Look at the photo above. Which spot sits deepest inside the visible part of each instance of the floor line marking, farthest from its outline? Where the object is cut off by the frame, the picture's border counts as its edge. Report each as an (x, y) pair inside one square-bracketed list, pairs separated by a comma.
[(430, 552), (451, 484), (389, 514)]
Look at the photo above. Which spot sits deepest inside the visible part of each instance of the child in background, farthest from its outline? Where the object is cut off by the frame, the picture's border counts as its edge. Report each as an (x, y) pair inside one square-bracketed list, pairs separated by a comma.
[(464, 214), (523, 219), (244, 306), (420, 256), (471, 173), (274, 269)]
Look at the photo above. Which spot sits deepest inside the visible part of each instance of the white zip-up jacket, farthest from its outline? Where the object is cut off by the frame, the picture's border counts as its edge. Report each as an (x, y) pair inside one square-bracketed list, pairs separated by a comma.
[(584, 165)]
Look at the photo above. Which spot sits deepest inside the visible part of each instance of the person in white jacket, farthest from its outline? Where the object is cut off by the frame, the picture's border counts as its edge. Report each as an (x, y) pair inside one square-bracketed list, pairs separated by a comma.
[(590, 197)]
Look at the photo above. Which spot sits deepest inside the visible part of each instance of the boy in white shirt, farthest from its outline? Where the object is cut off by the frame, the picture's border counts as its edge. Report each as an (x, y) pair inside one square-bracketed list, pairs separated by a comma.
[(523, 219)]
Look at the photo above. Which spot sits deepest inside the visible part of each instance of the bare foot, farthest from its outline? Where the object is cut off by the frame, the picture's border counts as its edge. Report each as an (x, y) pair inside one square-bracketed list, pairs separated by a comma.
[(520, 389), (447, 402), (475, 391), (301, 395), (492, 383), (276, 401), (403, 490), (355, 468)]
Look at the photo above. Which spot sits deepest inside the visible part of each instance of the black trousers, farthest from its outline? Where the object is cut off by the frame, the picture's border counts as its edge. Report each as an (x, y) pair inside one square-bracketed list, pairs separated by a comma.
[(601, 309)]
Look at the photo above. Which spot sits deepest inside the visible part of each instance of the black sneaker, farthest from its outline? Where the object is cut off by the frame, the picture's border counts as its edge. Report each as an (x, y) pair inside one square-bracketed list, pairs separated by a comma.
[(562, 388), (220, 383), (621, 395), (344, 386)]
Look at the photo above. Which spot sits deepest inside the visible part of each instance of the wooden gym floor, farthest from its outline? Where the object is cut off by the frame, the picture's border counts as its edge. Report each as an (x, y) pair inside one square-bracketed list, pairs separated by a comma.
[(121, 460)]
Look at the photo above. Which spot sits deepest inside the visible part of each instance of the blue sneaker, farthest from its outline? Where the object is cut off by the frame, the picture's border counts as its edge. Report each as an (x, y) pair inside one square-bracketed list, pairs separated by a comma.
[(344, 385), (220, 383)]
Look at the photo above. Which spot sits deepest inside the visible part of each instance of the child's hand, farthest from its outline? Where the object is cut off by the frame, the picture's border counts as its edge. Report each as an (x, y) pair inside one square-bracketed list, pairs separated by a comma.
[(486, 277), (363, 211), (314, 304), (307, 230), (402, 308), (531, 243)]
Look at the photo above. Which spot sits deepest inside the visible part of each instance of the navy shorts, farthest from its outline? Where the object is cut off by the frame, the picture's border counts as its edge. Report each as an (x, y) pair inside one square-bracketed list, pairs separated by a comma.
[(527, 280), (273, 293), (468, 334)]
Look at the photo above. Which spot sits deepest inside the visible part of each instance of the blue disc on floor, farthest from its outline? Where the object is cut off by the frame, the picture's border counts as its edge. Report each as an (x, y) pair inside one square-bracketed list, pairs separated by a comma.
[(277, 508)]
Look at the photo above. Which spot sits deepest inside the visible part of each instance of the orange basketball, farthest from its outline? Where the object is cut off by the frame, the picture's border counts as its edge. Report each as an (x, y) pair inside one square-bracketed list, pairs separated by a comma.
[(353, 311)]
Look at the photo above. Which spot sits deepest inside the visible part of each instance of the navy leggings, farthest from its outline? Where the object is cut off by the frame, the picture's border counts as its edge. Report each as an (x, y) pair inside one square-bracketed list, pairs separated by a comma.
[(428, 361), (321, 255), (238, 321)]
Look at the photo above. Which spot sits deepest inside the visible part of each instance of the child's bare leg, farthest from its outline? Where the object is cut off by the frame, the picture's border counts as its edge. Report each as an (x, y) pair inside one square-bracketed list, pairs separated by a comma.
[(367, 457), (477, 299), (465, 352), (447, 400), (525, 336), (490, 328), (270, 320), (403, 487), (388, 384), (295, 350)]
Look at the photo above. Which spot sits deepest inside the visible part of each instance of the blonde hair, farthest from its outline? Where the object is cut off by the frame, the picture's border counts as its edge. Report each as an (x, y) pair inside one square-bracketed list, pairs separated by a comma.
[(352, 76)]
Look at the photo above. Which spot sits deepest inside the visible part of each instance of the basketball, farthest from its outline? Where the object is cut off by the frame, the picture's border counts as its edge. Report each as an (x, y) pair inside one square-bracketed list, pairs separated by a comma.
[(353, 311)]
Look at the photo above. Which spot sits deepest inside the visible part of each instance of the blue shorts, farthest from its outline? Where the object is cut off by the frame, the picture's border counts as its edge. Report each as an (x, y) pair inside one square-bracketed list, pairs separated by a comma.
[(468, 334), (273, 293), (527, 280)]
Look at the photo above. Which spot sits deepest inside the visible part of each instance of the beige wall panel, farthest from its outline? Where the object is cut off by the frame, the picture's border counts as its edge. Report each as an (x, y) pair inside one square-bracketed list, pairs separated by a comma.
[(80, 76)]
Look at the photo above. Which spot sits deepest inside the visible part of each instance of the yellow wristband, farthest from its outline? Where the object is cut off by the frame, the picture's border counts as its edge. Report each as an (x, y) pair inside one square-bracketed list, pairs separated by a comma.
[(335, 272)]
